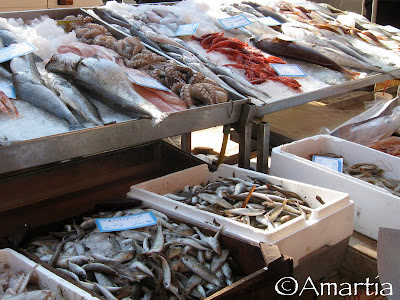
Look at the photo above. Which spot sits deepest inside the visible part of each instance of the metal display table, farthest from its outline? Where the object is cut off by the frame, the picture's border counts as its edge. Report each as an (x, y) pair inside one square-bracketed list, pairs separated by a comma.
[(66, 146)]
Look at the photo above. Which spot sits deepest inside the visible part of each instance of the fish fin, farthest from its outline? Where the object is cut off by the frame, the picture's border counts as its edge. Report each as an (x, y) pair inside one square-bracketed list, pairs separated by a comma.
[(160, 118), (78, 126)]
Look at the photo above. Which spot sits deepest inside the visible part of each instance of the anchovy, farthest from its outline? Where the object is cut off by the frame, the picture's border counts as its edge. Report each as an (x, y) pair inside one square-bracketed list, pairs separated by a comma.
[(100, 268), (158, 244), (210, 198), (211, 241), (246, 211), (196, 267), (76, 269), (69, 274), (106, 293)]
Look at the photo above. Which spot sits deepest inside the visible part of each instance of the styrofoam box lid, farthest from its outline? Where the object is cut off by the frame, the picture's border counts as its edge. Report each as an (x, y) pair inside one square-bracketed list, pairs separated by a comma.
[(352, 153), (150, 192), (43, 277)]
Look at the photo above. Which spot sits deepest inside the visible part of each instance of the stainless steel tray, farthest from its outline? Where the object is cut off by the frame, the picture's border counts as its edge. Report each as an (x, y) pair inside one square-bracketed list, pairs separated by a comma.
[(50, 149)]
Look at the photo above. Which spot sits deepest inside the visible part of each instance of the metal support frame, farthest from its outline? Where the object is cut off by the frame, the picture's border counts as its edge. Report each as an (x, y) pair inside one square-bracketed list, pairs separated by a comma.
[(244, 129), (263, 134), (186, 142)]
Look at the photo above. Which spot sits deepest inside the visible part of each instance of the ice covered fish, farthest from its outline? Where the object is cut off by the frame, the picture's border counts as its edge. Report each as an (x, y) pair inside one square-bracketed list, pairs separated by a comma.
[(294, 50), (73, 98), (106, 80), (162, 260)]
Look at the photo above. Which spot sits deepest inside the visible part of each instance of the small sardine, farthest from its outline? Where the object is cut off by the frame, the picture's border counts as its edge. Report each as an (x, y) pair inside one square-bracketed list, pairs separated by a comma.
[(213, 199), (198, 268)]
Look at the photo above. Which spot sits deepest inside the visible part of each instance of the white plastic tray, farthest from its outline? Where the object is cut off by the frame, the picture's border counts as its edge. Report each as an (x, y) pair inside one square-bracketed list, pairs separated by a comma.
[(374, 206), (42, 277), (327, 225)]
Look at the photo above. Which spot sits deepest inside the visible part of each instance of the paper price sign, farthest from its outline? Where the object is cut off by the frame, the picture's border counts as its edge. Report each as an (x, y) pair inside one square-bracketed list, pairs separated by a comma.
[(147, 82), (269, 21), (13, 51), (235, 22), (288, 70), (126, 222), (332, 163), (187, 29), (8, 90)]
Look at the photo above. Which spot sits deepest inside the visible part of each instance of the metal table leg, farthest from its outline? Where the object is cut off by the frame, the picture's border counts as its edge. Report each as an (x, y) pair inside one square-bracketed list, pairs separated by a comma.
[(263, 134), (186, 142), (244, 130)]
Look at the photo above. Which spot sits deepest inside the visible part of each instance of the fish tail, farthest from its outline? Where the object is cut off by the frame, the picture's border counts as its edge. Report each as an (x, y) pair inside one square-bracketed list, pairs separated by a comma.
[(351, 74), (75, 126), (157, 120)]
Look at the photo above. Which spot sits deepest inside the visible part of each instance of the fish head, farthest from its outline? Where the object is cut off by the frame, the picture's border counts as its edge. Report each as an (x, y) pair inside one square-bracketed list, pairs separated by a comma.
[(64, 64)]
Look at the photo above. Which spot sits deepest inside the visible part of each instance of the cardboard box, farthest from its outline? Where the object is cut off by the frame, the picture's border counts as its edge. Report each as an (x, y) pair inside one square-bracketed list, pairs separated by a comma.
[(374, 206), (327, 225)]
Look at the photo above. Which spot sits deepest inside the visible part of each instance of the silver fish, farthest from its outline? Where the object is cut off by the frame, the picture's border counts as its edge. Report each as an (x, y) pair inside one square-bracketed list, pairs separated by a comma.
[(198, 268), (38, 95), (213, 199), (94, 75)]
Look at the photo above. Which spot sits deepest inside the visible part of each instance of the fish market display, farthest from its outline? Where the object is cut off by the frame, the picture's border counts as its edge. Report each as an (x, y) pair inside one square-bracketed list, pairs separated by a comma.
[(390, 145), (370, 173), (19, 286), (71, 101), (319, 35), (255, 63), (192, 88), (158, 261), (268, 207)]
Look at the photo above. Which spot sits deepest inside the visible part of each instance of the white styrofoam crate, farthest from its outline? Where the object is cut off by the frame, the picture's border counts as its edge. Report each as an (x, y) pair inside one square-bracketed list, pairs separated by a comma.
[(327, 225), (374, 207), (45, 279)]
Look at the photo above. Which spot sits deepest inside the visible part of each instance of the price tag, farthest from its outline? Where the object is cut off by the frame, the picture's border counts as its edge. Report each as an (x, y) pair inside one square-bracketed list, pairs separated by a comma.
[(12, 51), (147, 82), (288, 70), (8, 90), (391, 29), (269, 21), (126, 222), (332, 163), (235, 21), (186, 29)]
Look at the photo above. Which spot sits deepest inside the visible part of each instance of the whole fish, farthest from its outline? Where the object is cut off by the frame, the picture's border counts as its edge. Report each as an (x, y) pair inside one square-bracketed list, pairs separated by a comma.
[(94, 75), (192, 264), (345, 59), (268, 12), (73, 98), (297, 51), (112, 17), (40, 96)]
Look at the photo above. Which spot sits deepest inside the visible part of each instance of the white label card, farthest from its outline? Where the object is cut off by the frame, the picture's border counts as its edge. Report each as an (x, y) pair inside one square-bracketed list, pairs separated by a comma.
[(332, 163), (391, 29), (235, 21), (126, 222), (288, 70), (186, 29), (16, 50), (147, 82), (8, 90), (269, 21)]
